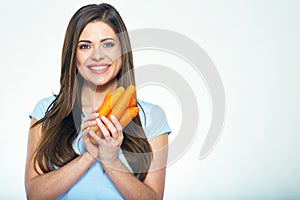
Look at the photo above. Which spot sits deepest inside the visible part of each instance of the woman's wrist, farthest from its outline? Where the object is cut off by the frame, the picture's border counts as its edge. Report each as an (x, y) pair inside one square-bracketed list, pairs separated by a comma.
[(113, 164), (88, 156)]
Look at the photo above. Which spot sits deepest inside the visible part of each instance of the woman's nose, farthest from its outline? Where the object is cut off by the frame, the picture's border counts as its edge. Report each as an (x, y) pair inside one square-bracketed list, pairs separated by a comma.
[(97, 54)]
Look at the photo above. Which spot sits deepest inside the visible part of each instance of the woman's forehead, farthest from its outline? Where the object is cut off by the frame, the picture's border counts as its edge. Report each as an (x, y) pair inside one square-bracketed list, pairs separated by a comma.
[(97, 31)]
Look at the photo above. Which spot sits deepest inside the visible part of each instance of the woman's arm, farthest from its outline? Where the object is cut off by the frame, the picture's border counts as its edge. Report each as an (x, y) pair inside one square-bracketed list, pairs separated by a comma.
[(54, 183), (128, 185), (153, 186), (155, 178)]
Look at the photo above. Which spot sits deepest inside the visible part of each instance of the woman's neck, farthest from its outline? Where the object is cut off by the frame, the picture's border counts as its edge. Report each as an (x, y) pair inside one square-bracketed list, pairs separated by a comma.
[(92, 95)]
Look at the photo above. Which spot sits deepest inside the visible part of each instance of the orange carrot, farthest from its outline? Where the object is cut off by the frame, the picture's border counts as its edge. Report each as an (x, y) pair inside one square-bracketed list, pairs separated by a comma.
[(109, 100), (106, 105), (128, 115), (123, 102), (116, 96), (116, 103), (104, 109), (132, 103)]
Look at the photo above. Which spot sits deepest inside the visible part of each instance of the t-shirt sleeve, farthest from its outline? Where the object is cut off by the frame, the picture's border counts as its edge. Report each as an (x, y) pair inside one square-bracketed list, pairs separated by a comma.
[(41, 107), (154, 120)]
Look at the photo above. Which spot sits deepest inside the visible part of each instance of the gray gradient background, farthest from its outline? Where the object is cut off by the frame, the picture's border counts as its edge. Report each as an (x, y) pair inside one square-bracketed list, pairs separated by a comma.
[(255, 47)]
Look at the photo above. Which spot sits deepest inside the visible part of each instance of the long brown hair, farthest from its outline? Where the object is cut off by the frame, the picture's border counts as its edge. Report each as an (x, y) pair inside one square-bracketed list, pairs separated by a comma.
[(61, 123)]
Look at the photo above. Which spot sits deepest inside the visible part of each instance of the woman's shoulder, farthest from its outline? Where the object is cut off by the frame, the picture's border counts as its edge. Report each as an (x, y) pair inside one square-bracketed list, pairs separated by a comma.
[(41, 107), (146, 105), (153, 119), (149, 109)]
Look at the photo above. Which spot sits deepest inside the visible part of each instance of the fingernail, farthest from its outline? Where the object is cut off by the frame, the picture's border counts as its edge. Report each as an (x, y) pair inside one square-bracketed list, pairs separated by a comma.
[(98, 120), (113, 117), (103, 117), (96, 114)]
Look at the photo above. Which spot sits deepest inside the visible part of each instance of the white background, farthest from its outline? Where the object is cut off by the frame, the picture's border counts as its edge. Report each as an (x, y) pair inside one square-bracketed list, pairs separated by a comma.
[(255, 47)]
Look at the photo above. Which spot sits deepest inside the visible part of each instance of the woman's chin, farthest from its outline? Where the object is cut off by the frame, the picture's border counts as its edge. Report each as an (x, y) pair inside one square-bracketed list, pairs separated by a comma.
[(100, 81), (106, 83)]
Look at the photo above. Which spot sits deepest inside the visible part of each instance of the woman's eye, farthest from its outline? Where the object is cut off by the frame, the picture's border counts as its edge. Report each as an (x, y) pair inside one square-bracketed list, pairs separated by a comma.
[(84, 46), (108, 44)]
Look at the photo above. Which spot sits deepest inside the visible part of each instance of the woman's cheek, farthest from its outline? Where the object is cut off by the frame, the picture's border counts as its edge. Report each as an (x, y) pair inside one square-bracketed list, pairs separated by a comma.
[(82, 58), (118, 64)]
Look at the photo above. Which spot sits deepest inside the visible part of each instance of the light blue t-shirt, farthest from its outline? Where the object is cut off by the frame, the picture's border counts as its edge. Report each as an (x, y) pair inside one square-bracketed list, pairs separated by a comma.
[(94, 183)]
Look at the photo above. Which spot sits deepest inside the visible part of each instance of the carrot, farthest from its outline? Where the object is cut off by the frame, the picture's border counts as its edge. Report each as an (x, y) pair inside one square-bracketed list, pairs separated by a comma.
[(116, 96), (132, 103), (128, 115), (106, 105), (123, 102), (109, 100), (116, 103), (104, 109)]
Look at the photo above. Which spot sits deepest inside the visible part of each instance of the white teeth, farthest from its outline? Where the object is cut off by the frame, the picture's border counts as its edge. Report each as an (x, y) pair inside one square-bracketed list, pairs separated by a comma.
[(98, 68)]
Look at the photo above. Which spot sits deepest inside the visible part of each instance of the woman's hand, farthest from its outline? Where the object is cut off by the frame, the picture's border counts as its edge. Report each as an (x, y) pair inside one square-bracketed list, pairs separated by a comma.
[(108, 147), (89, 121)]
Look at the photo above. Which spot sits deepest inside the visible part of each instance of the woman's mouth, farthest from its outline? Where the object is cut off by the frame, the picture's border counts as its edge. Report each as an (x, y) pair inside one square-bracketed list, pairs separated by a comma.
[(99, 68)]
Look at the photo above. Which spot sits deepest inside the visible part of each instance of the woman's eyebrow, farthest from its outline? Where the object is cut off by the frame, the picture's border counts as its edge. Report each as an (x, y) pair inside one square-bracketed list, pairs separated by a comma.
[(88, 41), (107, 39)]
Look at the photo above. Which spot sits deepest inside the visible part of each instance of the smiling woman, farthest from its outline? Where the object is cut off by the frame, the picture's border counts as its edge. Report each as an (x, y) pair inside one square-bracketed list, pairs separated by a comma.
[(99, 53), (128, 162)]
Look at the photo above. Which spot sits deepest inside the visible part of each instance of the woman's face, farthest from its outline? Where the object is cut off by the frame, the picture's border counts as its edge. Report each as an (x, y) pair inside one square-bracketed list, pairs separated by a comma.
[(98, 54)]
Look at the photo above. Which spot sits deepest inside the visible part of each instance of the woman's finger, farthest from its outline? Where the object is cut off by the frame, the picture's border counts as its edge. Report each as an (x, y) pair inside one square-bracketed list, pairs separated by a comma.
[(112, 129), (120, 139), (103, 129), (91, 116), (89, 120), (88, 124), (95, 136), (116, 123), (85, 133), (117, 131), (90, 148), (119, 135)]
